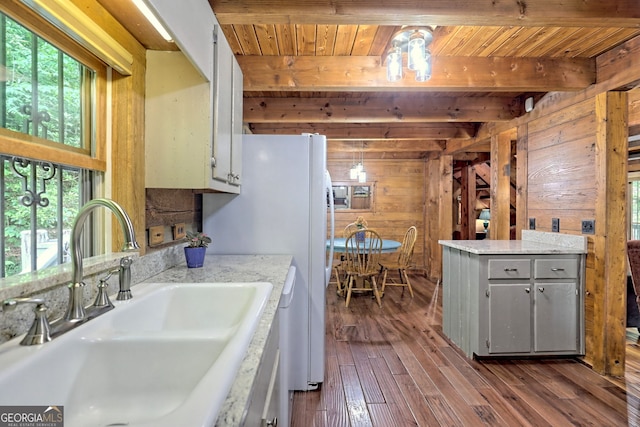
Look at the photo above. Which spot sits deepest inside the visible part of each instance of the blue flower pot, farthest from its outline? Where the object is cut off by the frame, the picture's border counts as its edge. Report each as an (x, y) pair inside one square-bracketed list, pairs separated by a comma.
[(194, 256)]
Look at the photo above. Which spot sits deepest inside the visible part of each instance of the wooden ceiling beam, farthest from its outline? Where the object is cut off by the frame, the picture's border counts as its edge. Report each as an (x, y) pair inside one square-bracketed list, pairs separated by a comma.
[(458, 146), (374, 131), (365, 74), (568, 13), (405, 108), (378, 146)]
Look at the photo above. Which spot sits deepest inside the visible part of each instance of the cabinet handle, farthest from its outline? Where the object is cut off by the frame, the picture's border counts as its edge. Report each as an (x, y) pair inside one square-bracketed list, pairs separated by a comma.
[(510, 269), (213, 162), (270, 423), (557, 269), (527, 290), (541, 289)]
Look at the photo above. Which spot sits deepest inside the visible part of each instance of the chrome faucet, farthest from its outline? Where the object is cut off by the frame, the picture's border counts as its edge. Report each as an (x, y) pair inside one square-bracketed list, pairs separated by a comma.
[(75, 309)]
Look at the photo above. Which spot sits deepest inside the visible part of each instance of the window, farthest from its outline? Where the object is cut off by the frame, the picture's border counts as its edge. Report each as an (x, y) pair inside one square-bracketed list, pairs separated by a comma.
[(48, 141), (350, 196)]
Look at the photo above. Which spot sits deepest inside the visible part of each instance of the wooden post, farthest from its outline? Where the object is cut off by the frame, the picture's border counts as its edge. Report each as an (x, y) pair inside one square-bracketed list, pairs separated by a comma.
[(608, 287), (500, 186), (467, 203), (522, 175)]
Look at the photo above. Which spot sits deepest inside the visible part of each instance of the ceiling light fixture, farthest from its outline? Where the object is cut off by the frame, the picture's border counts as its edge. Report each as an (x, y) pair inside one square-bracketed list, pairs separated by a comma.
[(413, 42)]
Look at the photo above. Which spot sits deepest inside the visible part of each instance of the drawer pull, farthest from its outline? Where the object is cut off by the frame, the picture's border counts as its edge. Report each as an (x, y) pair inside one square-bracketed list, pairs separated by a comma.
[(557, 269), (527, 290), (510, 269), (541, 289)]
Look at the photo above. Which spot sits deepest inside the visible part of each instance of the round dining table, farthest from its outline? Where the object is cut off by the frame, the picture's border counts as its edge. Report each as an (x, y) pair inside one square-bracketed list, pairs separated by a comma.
[(340, 245)]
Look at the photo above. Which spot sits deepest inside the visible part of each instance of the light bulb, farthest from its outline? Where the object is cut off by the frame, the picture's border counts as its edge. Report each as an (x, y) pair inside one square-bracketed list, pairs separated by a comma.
[(416, 51), (353, 172), (394, 64), (423, 73)]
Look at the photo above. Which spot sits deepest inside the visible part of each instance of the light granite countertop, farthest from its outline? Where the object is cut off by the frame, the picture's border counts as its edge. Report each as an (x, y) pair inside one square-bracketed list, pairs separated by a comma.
[(533, 242), (238, 268)]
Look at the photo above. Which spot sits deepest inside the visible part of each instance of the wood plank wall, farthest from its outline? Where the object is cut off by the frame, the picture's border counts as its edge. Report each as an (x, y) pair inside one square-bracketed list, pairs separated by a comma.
[(399, 199), (561, 164)]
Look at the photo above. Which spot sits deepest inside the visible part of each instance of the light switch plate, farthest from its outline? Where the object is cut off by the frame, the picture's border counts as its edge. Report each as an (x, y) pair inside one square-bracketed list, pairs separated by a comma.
[(156, 235)]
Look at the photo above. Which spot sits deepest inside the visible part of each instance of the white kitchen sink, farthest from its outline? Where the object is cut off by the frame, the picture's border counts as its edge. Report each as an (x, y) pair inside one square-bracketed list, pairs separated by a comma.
[(161, 308), (167, 357)]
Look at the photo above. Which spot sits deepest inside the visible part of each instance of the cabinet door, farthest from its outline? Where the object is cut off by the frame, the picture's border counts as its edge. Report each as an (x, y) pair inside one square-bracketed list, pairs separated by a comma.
[(222, 107), (556, 317), (237, 124), (509, 318)]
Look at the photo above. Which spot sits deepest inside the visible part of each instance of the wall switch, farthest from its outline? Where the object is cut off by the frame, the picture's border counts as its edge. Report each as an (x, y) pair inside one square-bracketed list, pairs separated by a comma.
[(588, 226), (156, 235), (532, 223), (179, 231), (555, 225)]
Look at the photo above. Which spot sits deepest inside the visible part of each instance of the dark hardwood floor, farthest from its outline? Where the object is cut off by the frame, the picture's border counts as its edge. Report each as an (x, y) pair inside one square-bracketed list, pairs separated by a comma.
[(393, 367)]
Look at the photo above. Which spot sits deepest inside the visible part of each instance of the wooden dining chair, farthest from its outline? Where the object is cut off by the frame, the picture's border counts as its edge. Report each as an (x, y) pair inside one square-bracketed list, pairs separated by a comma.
[(362, 263), (338, 269), (402, 262)]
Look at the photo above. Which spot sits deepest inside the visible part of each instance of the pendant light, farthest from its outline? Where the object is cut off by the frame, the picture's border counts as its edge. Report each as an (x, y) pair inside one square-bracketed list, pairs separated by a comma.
[(353, 172), (362, 174)]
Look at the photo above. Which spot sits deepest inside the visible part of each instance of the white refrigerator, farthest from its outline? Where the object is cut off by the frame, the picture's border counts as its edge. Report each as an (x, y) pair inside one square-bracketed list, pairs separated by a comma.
[(282, 209)]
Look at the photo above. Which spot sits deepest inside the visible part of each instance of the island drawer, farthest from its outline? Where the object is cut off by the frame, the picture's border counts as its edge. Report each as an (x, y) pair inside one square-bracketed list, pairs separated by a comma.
[(509, 269), (555, 268)]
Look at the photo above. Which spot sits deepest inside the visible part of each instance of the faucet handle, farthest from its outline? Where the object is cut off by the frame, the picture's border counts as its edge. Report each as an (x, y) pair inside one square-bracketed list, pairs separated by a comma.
[(102, 299), (39, 331)]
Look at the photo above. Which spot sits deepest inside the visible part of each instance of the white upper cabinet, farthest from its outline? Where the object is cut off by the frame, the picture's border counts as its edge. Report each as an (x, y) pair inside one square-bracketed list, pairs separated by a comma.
[(193, 119)]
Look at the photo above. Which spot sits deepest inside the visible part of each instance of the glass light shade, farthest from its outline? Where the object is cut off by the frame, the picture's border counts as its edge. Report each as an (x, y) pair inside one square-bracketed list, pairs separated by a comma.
[(362, 176), (416, 51), (353, 172), (394, 64), (423, 73)]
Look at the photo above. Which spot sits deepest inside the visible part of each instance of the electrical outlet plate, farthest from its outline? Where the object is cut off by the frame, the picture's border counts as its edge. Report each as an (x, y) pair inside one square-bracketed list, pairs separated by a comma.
[(156, 235), (555, 225), (532, 223), (588, 226), (179, 231)]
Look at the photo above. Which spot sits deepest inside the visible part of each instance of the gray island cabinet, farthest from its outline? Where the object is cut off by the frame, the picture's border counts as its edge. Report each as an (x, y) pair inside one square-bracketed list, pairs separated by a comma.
[(515, 297)]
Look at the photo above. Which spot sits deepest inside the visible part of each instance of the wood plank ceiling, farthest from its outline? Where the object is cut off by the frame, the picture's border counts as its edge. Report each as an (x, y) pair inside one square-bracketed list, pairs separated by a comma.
[(315, 65)]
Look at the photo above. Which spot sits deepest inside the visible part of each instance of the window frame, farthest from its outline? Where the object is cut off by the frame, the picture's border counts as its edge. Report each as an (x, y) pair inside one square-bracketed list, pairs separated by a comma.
[(352, 185), (28, 146), (91, 158)]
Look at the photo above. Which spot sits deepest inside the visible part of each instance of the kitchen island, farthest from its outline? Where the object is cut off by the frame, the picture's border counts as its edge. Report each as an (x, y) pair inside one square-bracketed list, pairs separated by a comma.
[(515, 297), (239, 268)]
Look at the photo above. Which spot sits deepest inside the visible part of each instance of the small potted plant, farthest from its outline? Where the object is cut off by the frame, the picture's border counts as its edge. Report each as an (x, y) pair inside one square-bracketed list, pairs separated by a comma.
[(196, 248)]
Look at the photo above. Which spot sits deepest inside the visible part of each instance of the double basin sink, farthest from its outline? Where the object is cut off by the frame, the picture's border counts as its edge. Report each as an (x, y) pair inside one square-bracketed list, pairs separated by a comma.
[(167, 357)]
